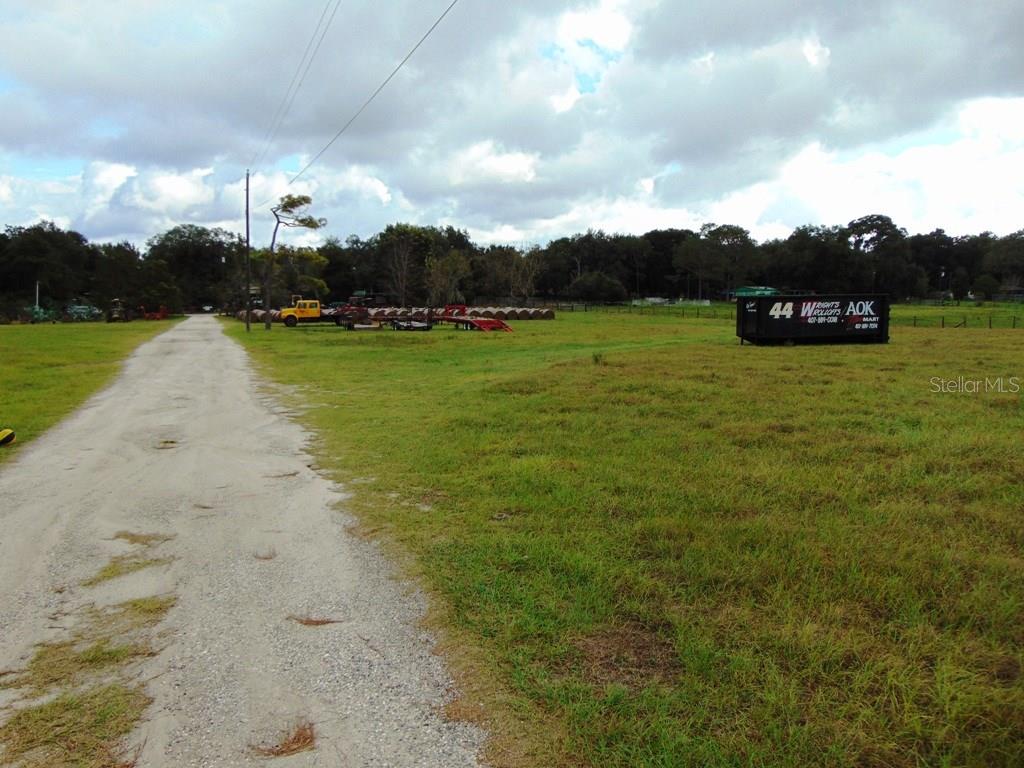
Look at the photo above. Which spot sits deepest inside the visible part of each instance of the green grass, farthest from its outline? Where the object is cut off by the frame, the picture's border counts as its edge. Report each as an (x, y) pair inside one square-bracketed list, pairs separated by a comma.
[(672, 550), (122, 565), (67, 663), (76, 705), (81, 729), (50, 370)]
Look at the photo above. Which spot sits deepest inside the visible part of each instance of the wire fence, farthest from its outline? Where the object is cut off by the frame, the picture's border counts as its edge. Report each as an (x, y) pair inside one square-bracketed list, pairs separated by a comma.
[(901, 317)]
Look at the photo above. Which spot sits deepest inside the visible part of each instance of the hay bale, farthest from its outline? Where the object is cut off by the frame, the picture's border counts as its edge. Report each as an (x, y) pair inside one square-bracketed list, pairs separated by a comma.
[(547, 314), (500, 314)]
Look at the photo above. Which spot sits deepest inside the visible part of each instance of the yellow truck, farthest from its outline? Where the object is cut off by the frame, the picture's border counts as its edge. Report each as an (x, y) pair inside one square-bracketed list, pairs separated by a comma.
[(310, 311)]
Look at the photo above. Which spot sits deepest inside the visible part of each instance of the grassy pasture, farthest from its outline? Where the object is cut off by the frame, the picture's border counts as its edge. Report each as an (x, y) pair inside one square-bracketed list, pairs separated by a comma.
[(49, 370), (672, 550)]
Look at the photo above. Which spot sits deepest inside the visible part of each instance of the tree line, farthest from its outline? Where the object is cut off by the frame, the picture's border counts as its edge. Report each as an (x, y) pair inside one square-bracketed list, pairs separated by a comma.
[(190, 267)]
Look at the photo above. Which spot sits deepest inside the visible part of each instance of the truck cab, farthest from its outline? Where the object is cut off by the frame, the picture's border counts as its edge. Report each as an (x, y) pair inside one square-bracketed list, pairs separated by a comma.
[(303, 311)]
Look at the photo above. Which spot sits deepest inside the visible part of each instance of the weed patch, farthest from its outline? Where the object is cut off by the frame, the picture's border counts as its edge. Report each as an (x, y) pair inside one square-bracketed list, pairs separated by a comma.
[(143, 539), (75, 730), (122, 565), (68, 663), (137, 614)]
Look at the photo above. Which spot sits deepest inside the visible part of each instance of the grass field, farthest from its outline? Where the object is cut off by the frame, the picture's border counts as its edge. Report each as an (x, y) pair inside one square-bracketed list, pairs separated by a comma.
[(671, 550), (50, 370)]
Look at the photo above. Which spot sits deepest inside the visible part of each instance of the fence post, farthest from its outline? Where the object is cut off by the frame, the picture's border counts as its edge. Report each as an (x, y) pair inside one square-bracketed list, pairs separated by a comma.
[(990, 322), (943, 318)]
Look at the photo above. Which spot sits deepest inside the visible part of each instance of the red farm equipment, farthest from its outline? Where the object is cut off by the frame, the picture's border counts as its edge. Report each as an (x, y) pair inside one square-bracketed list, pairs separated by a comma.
[(160, 314), (457, 315)]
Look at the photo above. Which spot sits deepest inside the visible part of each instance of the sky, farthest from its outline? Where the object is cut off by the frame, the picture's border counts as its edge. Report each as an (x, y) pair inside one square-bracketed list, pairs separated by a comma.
[(518, 122)]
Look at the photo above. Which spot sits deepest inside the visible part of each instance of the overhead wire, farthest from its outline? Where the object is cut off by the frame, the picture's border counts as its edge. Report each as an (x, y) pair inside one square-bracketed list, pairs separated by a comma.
[(372, 96), (296, 82)]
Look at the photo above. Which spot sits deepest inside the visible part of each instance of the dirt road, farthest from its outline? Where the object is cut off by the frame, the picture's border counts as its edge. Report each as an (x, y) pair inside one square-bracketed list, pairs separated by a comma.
[(183, 445)]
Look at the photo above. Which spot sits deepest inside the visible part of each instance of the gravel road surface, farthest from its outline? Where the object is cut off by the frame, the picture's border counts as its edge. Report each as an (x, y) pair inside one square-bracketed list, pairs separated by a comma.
[(183, 443)]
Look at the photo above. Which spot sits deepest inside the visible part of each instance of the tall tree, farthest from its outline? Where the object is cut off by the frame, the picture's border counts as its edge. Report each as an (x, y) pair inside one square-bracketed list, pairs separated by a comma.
[(701, 257), (202, 261), (290, 212), (405, 249), (445, 275), (58, 260)]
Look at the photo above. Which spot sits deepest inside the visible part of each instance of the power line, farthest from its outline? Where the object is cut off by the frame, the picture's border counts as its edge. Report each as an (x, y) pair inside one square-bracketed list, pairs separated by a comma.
[(266, 137), (309, 64), (296, 82), (374, 95)]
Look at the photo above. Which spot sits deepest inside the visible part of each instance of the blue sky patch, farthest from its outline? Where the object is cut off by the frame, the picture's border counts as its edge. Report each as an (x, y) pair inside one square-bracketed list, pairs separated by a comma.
[(43, 167), (289, 164), (105, 128), (607, 56), (587, 82)]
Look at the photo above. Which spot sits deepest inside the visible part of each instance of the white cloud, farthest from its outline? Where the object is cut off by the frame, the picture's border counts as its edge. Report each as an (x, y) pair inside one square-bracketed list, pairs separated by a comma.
[(484, 162), (603, 25), (101, 180), (563, 102), (817, 55), (173, 193), (969, 184)]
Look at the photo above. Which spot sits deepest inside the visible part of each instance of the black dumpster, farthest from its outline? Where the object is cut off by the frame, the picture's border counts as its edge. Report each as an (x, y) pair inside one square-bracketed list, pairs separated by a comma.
[(808, 319)]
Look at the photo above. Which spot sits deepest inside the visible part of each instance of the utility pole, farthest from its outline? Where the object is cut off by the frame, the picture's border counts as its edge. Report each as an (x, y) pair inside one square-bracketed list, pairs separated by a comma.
[(248, 268)]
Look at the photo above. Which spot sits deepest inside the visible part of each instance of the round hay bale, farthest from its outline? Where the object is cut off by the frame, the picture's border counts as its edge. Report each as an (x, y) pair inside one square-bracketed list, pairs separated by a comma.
[(522, 313), (500, 314), (487, 312), (547, 314)]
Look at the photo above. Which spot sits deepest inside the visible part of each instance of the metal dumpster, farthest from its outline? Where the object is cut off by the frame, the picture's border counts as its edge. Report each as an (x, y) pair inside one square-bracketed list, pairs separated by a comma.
[(810, 319)]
